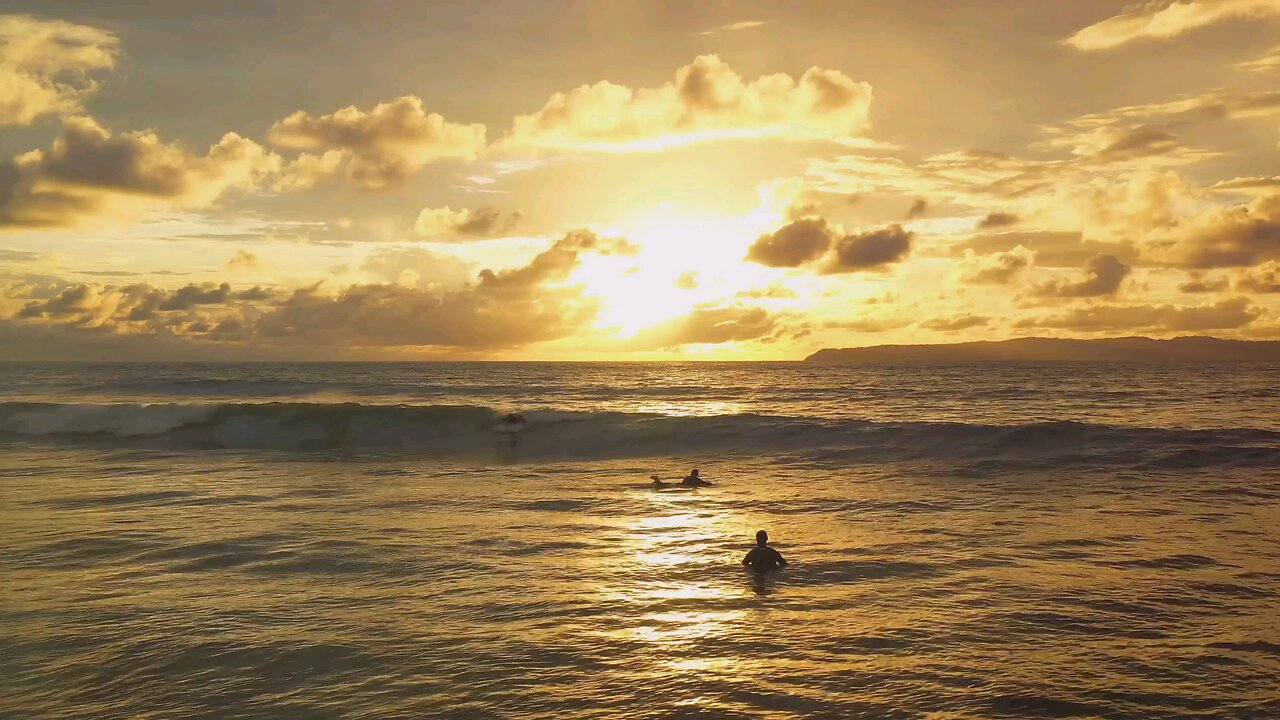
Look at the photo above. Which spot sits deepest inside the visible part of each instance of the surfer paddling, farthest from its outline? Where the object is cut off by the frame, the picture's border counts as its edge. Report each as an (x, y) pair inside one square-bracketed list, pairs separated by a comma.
[(693, 479)]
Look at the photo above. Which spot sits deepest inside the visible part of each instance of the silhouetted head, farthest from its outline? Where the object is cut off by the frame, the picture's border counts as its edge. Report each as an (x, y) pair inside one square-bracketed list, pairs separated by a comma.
[(762, 538), (693, 472)]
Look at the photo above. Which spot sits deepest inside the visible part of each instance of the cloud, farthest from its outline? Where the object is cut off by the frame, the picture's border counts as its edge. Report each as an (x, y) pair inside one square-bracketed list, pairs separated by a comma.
[(554, 263), (688, 280), (998, 268), (1162, 21), (446, 222), (45, 66), (1266, 63), (1248, 185), (1118, 142), (1263, 279), (956, 323), (139, 308), (90, 173), (417, 268), (918, 209), (1198, 283), (707, 100), (18, 256), (395, 315), (872, 250), (1102, 276), (772, 292), (1233, 236), (1095, 129), (794, 244), (869, 324), (709, 326), (383, 145), (997, 220), (734, 26), (243, 260), (1226, 314), (505, 308)]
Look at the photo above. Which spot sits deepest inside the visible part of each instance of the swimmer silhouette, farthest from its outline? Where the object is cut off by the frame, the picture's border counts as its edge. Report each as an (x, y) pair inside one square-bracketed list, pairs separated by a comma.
[(763, 558), (509, 428), (694, 479)]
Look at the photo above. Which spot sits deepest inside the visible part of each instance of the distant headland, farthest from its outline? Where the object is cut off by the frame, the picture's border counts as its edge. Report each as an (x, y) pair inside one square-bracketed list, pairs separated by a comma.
[(1121, 349)]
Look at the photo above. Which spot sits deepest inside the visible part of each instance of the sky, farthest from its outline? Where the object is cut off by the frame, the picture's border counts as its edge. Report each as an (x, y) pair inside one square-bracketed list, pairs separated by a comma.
[(627, 180)]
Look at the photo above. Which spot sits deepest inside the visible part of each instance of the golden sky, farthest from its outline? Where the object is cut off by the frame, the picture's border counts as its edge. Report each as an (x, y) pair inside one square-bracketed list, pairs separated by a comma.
[(593, 179)]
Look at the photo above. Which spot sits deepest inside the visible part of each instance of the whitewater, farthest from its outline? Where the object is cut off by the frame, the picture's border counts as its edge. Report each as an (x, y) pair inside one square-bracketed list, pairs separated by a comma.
[(342, 540)]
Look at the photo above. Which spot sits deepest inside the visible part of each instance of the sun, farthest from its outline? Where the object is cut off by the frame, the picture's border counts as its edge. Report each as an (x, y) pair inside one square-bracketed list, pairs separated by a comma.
[(684, 261)]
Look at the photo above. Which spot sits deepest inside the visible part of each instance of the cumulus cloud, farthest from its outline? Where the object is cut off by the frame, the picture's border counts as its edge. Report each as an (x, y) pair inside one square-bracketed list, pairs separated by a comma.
[(955, 323), (445, 222), (417, 268), (706, 100), (554, 263), (385, 145), (794, 244), (1227, 314), (1263, 279), (88, 172), (503, 308), (1200, 283), (141, 307), (395, 315), (1165, 20), (711, 326), (810, 240), (872, 250), (688, 280), (998, 268), (1103, 275), (45, 66), (1233, 236)]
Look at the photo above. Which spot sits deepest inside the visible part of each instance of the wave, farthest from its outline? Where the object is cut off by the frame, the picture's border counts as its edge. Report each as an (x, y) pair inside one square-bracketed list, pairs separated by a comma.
[(550, 435)]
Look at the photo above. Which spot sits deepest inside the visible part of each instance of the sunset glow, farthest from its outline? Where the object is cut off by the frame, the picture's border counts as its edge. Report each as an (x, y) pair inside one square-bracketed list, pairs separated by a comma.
[(734, 181)]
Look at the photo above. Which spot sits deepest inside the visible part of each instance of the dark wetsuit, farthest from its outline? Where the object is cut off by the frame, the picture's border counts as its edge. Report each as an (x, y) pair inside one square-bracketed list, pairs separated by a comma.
[(763, 558)]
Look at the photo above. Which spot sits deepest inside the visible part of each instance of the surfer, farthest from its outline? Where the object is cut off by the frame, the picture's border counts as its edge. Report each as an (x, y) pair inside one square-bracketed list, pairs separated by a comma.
[(763, 558), (509, 427), (694, 479)]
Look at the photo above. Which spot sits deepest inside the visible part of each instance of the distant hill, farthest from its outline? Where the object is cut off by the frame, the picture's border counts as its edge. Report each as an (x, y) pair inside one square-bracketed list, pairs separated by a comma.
[(1123, 349)]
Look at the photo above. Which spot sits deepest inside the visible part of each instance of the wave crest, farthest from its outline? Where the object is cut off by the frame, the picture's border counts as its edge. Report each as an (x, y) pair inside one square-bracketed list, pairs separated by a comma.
[(468, 430)]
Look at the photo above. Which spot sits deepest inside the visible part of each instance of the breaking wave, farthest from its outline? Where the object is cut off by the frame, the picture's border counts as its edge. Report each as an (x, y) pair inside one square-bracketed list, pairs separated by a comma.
[(549, 435)]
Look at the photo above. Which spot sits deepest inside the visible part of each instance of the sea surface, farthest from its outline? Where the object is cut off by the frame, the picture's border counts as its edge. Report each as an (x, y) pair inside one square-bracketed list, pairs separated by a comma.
[(368, 541)]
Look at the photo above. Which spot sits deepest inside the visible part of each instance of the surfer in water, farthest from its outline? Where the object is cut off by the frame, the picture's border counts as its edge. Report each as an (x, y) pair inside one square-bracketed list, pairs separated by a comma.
[(510, 426), (763, 558), (690, 480), (694, 479)]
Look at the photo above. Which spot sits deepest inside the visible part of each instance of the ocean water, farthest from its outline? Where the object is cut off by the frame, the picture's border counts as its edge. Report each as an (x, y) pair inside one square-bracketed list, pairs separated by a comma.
[(360, 541)]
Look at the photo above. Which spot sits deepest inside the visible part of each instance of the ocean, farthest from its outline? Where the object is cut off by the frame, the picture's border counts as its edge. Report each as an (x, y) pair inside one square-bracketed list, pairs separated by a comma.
[(365, 540)]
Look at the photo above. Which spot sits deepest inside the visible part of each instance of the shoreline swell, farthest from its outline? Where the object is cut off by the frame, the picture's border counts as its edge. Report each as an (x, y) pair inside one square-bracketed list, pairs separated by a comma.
[(548, 435)]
